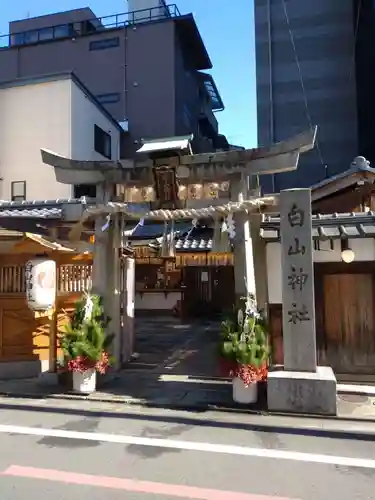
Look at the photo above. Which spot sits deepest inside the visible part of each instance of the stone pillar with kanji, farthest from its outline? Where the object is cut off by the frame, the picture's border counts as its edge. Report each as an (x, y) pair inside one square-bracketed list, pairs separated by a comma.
[(302, 386)]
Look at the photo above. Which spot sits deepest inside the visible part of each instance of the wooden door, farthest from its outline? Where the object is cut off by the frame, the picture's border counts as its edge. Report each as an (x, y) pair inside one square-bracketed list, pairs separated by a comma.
[(209, 291), (22, 336), (223, 291), (349, 327), (197, 291)]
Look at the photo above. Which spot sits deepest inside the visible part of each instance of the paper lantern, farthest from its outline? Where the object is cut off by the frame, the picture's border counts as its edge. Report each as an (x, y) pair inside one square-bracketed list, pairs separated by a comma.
[(40, 284)]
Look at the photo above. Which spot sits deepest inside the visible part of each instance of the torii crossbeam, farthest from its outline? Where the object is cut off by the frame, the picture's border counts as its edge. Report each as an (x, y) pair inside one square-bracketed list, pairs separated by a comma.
[(277, 158)]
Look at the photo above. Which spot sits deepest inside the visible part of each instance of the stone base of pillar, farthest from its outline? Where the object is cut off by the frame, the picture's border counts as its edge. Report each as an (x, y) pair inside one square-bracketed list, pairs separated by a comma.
[(303, 392)]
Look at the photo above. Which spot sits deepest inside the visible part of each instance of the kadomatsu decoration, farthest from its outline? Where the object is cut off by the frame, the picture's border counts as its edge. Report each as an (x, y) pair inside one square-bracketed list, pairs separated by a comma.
[(244, 347), (85, 343)]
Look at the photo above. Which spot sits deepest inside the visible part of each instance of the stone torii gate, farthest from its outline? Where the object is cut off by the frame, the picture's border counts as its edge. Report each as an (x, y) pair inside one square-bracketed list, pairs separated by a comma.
[(169, 163)]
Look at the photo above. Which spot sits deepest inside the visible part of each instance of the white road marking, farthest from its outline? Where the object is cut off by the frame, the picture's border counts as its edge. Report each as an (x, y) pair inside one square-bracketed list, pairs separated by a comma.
[(191, 446)]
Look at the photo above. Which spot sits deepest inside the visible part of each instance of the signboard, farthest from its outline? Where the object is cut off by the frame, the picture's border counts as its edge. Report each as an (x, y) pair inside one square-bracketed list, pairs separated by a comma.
[(166, 188), (40, 284)]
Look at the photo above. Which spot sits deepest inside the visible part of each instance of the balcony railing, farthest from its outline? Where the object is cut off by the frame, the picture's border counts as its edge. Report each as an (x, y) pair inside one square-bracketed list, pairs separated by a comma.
[(89, 26)]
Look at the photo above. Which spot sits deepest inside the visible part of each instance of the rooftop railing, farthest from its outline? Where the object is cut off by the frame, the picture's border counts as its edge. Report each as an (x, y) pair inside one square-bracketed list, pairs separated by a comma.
[(88, 26)]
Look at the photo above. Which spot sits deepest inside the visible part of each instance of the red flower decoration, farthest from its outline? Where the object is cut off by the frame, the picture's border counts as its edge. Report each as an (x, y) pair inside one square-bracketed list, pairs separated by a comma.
[(247, 373), (81, 364)]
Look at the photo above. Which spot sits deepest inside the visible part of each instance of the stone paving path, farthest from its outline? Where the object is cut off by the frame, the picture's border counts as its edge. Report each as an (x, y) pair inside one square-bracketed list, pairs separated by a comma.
[(176, 367), (161, 338)]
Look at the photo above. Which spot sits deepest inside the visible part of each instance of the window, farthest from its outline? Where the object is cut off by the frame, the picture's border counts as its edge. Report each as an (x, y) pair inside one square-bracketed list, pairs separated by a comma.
[(108, 98), (45, 34), (31, 36), (108, 43), (88, 27), (88, 190), (62, 31), (187, 118), (102, 142), (18, 191)]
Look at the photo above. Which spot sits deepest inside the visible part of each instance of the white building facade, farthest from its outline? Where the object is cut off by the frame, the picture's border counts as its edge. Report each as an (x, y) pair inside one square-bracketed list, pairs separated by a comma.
[(54, 112)]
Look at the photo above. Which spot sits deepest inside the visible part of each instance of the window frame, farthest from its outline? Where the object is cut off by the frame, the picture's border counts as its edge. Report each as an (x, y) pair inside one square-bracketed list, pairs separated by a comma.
[(106, 98), (106, 43), (17, 197), (100, 136), (84, 187)]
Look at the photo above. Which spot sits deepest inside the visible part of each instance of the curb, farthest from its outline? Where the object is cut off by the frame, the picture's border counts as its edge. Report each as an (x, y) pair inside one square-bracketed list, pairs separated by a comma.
[(343, 431)]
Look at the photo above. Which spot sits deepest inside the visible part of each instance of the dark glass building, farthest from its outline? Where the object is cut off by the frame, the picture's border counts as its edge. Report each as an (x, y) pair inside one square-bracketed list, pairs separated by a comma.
[(323, 75)]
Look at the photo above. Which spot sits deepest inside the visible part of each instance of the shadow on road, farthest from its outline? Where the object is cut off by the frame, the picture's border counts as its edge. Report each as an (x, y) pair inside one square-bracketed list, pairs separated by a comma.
[(281, 428)]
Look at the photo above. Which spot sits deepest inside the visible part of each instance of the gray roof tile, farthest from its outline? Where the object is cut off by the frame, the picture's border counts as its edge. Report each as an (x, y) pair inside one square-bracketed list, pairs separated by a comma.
[(194, 244), (37, 209), (197, 240), (36, 213)]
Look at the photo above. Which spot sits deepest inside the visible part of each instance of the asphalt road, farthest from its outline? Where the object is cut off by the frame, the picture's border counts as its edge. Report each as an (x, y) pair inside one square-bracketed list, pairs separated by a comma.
[(72, 454)]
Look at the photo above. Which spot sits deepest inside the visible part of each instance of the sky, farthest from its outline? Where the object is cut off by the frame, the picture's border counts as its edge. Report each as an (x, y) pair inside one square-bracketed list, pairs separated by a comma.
[(227, 29)]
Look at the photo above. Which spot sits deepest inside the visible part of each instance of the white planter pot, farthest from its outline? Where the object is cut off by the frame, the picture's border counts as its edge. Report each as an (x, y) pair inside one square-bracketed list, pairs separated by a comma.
[(84, 382), (244, 394)]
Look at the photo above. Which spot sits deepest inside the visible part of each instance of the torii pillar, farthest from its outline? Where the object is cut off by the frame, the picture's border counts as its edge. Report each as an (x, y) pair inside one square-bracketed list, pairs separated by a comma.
[(105, 274), (250, 268), (106, 269)]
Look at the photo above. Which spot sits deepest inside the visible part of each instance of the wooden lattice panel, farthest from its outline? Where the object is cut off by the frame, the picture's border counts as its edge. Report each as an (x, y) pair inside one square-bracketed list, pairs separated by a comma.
[(72, 278), (12, 279)]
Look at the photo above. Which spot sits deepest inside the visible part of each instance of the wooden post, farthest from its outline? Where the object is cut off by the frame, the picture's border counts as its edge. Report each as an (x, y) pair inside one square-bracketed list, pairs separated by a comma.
[(115, 293), (53, 327)]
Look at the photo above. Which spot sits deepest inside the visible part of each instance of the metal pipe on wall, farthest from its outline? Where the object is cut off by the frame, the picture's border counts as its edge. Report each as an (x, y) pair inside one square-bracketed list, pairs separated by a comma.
[(271, 116), (125, 73)]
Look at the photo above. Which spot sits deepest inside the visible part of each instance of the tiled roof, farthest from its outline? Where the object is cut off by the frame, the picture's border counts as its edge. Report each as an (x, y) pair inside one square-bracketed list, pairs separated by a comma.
[(154, 230), (192, 244), (357, 166), (36, 213), (197, 240), (330, 226), (37, 209)]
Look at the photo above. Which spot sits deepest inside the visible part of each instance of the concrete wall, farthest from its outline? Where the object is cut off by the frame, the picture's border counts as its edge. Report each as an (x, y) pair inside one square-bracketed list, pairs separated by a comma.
[(34, 116), (141, 10), (84, 115), (54, 115), (364, 250), (157, 301), (323, 32)]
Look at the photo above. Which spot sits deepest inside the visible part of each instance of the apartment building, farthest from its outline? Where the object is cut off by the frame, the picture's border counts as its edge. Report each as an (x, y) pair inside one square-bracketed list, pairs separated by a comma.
[(148, 67)]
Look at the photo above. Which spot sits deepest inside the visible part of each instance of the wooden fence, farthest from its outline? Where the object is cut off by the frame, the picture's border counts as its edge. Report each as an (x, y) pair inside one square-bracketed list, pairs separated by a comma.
[(71, 278), (25, 335)]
